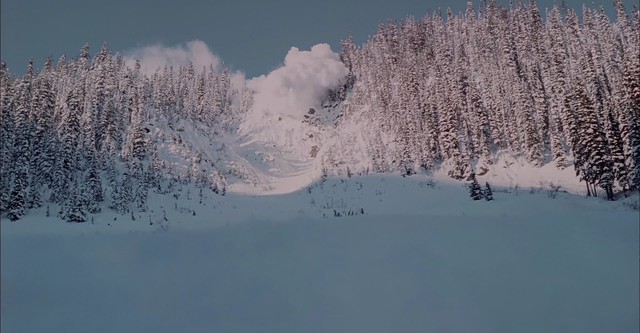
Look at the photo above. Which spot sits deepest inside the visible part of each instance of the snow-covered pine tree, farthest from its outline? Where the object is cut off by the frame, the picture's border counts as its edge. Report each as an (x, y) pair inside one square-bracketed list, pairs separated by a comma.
[(7, 133), (218, 183), (67, 158), (75, 209), (592, 164), (122, 196), (44, 139), (17, 204), (92, 190), (557, 87), (629, 118), (487, 193), (475, 191)]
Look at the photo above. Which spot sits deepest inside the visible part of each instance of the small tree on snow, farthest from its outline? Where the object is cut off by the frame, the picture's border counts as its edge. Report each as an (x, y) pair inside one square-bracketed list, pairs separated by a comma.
[(487, 192), (474, 189), (218, 183), (75, 209)]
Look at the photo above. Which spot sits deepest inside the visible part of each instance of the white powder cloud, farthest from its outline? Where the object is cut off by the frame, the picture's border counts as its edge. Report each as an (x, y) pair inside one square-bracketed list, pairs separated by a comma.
[(283, 97), (300, 84), (157, 56)]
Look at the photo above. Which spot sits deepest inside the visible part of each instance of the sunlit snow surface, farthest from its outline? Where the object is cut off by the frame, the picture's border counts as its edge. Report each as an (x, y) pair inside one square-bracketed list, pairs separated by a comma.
[(423, 257)]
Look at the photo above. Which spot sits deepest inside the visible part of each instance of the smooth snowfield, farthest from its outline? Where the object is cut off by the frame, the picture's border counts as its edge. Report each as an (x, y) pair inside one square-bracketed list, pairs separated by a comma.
[(423, 258)]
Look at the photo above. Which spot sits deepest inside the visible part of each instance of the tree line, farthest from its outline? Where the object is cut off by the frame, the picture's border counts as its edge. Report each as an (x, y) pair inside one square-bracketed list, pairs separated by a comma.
[(79, 133), (453, 90), (445, 91)]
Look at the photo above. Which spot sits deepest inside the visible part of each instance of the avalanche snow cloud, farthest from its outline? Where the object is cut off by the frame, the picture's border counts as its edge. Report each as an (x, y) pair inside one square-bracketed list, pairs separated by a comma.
[(272, 127), (282, 97), (156, 56), (300, 84)]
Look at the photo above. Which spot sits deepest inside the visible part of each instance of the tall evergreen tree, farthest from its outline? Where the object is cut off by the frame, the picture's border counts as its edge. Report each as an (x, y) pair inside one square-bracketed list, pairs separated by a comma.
[(7, 133)]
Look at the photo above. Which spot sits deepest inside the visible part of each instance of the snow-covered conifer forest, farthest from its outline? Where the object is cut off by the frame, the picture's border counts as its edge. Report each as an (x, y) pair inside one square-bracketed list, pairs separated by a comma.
[(470, 172), (445, 92)]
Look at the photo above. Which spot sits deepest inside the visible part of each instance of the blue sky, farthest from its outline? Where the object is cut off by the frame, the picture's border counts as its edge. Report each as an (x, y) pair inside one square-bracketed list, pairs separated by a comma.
[(249, 35)]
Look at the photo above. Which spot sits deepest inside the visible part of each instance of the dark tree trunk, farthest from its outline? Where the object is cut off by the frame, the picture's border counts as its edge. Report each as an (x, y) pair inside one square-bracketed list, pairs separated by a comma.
[(610, 195)]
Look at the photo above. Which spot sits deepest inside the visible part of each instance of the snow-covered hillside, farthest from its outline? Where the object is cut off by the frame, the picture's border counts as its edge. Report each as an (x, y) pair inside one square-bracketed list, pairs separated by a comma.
[(333, 194), (548, 106), (193, 207)]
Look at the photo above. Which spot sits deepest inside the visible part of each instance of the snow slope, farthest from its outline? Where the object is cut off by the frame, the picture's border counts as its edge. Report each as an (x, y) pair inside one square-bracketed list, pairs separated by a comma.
[(422, 258), (288, 249), (282, 137)]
